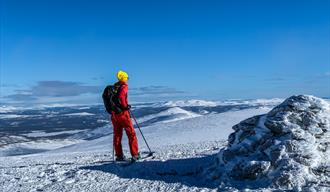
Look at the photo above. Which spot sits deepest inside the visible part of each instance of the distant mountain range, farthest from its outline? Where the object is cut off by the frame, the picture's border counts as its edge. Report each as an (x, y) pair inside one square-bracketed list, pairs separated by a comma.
[(58, 122)]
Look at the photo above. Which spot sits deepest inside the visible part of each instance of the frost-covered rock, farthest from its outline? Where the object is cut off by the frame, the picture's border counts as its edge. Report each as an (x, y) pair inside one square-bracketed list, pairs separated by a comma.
[(288, 148)]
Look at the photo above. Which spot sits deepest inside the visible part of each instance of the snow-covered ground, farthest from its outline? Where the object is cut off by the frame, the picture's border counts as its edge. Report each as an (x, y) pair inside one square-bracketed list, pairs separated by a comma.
[(186, 143), (183, 144), (212, 127), (173, 169)]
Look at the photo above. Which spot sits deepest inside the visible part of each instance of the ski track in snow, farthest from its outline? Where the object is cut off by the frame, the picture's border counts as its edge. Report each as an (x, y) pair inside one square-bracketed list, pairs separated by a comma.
[(183, 148)]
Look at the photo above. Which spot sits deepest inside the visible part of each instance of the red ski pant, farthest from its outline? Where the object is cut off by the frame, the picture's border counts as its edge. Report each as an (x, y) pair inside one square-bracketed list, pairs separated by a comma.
[(123, 121)]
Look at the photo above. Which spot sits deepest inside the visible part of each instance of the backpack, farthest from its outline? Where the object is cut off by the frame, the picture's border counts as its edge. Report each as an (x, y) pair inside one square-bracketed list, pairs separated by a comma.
[(111, 99)]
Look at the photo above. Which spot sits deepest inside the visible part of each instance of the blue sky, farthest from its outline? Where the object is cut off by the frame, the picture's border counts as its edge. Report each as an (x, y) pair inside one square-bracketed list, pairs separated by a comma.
[(67, 51)]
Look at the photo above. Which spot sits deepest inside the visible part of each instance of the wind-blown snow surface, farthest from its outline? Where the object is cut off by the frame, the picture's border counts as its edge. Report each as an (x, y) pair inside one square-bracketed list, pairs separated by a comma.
[(186, 137)]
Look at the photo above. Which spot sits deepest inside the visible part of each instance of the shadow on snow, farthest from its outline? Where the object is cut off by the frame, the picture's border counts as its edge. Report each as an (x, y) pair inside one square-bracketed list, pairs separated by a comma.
[(184, 171)]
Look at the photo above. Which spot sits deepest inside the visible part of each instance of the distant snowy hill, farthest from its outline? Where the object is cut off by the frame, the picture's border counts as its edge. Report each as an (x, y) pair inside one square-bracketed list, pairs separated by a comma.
[(167, 115), (189, 103), (48, 126)]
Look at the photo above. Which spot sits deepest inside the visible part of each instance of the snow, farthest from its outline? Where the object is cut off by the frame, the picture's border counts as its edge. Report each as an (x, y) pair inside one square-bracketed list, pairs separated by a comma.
[(44, 134), (252, 102), (189, 103), (286, 149), (200, 129), (204, 128), (83, 108), (171, 170), (93, 134), (171, 114), (31, 147), (85, 166), (54, 105), (12, 116), (7, 109), (187, 149), (205, 103), (79, 114)]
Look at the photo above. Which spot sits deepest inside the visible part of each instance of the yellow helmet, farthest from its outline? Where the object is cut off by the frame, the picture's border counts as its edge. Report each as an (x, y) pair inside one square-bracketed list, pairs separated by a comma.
[(122, 76)]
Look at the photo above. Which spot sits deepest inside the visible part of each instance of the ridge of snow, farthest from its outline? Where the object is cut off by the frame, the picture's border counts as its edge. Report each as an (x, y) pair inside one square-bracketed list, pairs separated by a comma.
[(43, 134), (189, 103), (7, 109), (273, 101), (12, 116), (175, 114), (79, 114)]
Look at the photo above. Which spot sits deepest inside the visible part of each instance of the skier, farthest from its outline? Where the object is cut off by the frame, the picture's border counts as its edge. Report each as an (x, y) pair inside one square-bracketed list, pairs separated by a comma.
[(122, 121)]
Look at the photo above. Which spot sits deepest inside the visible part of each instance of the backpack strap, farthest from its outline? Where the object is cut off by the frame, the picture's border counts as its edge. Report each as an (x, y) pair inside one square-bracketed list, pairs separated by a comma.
[(118, 87)]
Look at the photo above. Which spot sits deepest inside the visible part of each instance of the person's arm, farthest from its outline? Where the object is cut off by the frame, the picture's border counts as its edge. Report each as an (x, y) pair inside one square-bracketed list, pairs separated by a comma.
[(123, 97)]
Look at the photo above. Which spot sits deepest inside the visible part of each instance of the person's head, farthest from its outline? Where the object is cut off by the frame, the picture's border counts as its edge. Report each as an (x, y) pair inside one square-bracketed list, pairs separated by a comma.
[(122, 76)]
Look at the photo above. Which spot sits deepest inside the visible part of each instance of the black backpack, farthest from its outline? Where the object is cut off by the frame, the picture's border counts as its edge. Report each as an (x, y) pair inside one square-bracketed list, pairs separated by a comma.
[(111, 99)]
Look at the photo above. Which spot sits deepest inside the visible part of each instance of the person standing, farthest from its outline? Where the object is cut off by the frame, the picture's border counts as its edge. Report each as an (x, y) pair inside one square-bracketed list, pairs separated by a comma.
[(122, 120)]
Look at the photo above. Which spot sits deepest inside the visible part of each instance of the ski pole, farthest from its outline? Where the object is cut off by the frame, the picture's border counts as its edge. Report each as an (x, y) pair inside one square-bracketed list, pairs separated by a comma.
[(113, 146), (141, 132), (113, 152)]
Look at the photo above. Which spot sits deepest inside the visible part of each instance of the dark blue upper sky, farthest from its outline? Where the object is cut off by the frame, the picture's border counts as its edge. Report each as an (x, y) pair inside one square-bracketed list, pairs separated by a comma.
[(61, 50)]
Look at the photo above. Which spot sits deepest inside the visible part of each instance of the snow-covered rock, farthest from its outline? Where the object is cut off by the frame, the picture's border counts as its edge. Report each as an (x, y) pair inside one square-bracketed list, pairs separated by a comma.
[(288, 148)]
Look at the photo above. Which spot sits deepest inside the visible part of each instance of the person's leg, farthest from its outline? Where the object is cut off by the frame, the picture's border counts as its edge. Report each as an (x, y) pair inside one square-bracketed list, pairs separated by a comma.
[(117, 135), (132, 139)]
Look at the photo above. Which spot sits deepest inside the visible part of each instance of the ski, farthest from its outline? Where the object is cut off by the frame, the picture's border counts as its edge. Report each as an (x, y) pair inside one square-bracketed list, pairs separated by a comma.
[(128, 162)]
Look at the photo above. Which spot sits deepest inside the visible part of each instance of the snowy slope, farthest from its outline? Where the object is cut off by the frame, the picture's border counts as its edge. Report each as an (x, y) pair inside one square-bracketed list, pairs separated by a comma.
[(168, 115), (203, 128), (31, 147), (180, 146)]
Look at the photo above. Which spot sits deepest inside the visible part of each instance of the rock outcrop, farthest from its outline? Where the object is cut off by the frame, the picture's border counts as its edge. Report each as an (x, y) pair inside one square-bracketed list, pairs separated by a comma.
[(288, 148)]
